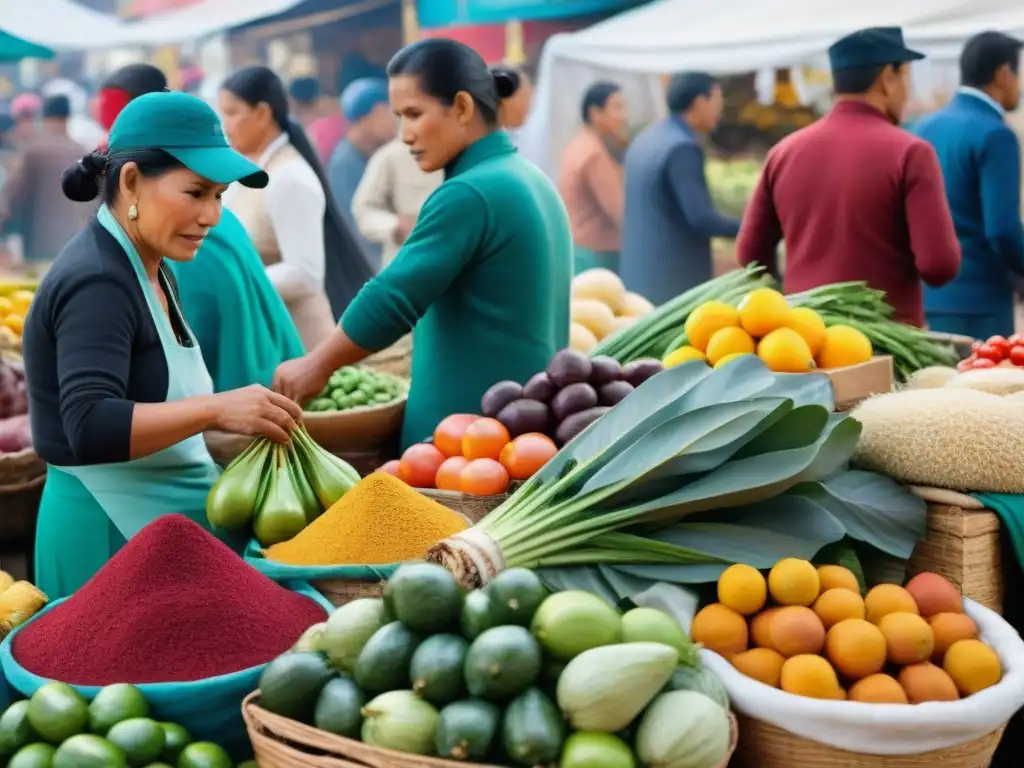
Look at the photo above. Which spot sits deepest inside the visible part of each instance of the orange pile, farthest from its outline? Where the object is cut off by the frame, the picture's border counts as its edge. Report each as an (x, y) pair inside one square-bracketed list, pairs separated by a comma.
[(474, 455), (809, 632)]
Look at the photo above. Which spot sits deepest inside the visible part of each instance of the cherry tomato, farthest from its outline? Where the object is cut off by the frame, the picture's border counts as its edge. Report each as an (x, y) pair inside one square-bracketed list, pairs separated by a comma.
[(991, 352), (1017, 340), (1017, 355), (975, 345), (983, 362), (1000, 343), (966, 364)]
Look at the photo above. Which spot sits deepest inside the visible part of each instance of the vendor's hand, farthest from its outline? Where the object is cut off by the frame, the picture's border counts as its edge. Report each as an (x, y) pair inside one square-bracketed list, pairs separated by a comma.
[(300, 379), (258, 412)]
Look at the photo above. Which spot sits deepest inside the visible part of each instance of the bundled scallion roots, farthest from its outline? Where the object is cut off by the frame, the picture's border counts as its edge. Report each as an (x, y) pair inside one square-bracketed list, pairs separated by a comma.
[(278, 489)]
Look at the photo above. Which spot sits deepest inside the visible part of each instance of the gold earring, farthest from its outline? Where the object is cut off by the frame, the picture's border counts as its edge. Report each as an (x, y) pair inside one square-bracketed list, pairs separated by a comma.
[(133, 212)]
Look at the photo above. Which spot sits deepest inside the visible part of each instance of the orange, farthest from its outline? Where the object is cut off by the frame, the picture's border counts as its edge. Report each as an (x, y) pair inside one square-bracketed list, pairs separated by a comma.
[(484, 477), (448, 435), (419, 464), (888, 598), (720, 629), (449, 474), (15, 322), (526, 454), (484, 439)]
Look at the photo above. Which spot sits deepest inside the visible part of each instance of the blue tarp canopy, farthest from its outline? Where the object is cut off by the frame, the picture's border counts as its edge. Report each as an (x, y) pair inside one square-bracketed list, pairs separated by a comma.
[(15, 49)]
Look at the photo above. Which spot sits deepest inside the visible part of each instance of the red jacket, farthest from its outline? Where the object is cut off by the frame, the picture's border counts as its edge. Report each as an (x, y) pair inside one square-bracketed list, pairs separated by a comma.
[(855, 198)]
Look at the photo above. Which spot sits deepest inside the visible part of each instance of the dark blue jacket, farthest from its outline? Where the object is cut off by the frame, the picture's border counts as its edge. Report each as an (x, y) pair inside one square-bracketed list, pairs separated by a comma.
[(981, 166), (669, 218)]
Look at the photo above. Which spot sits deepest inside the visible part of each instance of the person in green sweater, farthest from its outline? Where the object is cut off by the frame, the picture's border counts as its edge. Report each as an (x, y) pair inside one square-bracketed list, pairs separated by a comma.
[(484, 277)]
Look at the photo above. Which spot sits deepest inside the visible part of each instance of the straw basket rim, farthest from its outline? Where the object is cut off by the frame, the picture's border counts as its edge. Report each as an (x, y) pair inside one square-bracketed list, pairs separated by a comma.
[(21, 471), (258, 720)]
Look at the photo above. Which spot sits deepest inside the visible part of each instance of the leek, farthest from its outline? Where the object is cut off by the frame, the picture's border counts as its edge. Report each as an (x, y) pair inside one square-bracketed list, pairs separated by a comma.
[(688, 440)]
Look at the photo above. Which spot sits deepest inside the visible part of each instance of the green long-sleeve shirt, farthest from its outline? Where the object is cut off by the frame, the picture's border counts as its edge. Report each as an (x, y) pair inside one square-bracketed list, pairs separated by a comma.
[(483, 279)]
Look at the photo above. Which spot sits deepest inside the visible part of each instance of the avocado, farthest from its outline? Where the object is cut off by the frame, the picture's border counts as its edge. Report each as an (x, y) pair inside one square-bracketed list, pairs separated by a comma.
[(533, 731), (436, 669), (87, 750), (466, 730), (425, 597), (502, 663), (383, 664), (515, 596), (477, 614), (339, 708), (291, 683), (15, 731)]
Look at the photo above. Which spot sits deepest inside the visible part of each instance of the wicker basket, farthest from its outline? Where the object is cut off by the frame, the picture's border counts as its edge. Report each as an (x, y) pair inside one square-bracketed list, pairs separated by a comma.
[(357, 429), (283, 743), (342, 591), (765, 746), (396, 359), (22, 476), (473, 508)]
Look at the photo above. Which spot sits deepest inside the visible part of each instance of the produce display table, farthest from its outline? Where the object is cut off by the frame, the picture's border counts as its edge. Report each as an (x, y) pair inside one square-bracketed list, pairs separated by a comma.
[(855, 383)]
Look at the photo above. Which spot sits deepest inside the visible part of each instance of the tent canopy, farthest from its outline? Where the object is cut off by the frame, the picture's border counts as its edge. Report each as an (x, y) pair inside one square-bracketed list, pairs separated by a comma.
[(15, 49), (61, 24), (728, 38)]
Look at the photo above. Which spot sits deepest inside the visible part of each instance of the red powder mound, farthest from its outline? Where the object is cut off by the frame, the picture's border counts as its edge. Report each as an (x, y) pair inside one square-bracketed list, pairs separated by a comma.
[(175, 604)]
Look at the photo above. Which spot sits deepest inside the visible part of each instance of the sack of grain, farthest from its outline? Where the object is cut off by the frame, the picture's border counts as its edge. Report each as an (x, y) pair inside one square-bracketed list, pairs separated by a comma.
[(953, 438), (998, 381)]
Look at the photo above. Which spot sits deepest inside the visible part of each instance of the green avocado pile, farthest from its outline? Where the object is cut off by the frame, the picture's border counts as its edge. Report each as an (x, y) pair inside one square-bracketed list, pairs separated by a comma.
[(57, 728), (506, 675)]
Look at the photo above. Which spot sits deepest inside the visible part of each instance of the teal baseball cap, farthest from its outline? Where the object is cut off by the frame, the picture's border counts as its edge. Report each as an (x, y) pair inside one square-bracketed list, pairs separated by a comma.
[(187, 129)]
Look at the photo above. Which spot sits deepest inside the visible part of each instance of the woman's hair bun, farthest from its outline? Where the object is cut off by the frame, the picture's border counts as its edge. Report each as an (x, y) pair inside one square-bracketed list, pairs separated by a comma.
[(506, 81), (81, 182)]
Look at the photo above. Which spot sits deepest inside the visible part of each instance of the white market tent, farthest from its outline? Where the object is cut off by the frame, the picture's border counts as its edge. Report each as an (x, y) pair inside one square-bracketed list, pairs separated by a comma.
[(729, 37)]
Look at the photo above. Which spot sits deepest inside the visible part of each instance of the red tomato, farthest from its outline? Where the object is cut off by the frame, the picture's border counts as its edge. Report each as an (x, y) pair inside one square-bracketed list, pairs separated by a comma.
[(991, 352), (484, 477), (1017, 340), (1000, 343), (448, 435), (484, 439), (391, 467), (1017, 355), (966, 364), (983, 362), (449, 474), (419, 464), (526, 454)]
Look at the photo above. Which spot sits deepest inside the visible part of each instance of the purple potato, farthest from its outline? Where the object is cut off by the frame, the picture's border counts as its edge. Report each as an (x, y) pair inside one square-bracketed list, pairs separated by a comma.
[(498, 396), (614, 392), (569, 367), (576, 423), (639, 371), (605, 369), (523, 415), (539, 387), (573, 399)]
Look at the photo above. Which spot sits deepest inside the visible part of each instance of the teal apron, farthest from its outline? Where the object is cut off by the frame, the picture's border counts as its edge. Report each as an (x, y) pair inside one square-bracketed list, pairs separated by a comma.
[(87, 513), (587, 258)]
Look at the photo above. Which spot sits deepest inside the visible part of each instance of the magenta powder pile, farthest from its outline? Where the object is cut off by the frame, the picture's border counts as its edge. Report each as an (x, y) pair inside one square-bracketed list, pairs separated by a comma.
[(173, 605)]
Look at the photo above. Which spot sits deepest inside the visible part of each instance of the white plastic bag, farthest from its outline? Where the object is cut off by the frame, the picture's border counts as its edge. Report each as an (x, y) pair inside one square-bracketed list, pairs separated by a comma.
[(890, 729)]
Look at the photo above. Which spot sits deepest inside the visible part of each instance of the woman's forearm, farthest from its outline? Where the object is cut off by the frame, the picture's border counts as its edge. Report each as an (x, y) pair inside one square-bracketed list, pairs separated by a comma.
[(337, 350), (156, 426)]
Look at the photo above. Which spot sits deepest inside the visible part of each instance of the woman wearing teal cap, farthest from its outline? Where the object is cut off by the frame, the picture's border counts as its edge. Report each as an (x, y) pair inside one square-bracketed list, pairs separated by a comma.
[(118, 391), (224, 282), (484, 275)]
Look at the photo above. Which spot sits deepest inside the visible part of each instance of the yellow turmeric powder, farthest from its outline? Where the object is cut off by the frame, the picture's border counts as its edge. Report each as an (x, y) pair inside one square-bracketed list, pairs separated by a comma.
[(381, 520)]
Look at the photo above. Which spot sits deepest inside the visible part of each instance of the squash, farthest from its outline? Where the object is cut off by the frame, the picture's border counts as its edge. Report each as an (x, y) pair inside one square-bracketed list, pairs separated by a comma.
[(581, 339), (595, 315), (636, 305), (602, 285)]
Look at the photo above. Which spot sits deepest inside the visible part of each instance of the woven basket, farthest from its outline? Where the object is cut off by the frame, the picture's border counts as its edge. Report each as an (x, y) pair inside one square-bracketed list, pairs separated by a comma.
[(22, 476), (342, 591), (396, 359), (473, 508), (295, 745), (763, 745), (357, 429)]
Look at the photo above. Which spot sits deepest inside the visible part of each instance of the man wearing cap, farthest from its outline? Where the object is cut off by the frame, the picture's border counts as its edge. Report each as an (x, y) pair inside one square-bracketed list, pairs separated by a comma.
[(980, 158), (364, 103), (31, 203), (854, 196)]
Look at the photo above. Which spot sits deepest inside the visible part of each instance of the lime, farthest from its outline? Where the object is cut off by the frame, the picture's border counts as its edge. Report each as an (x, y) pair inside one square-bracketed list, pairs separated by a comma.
[(142, 740), (116, 703), (57, 712), (596, 750), (15, 731), (649, 625), (33, 756), (204, 754), (86, 750), (176, 738)]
